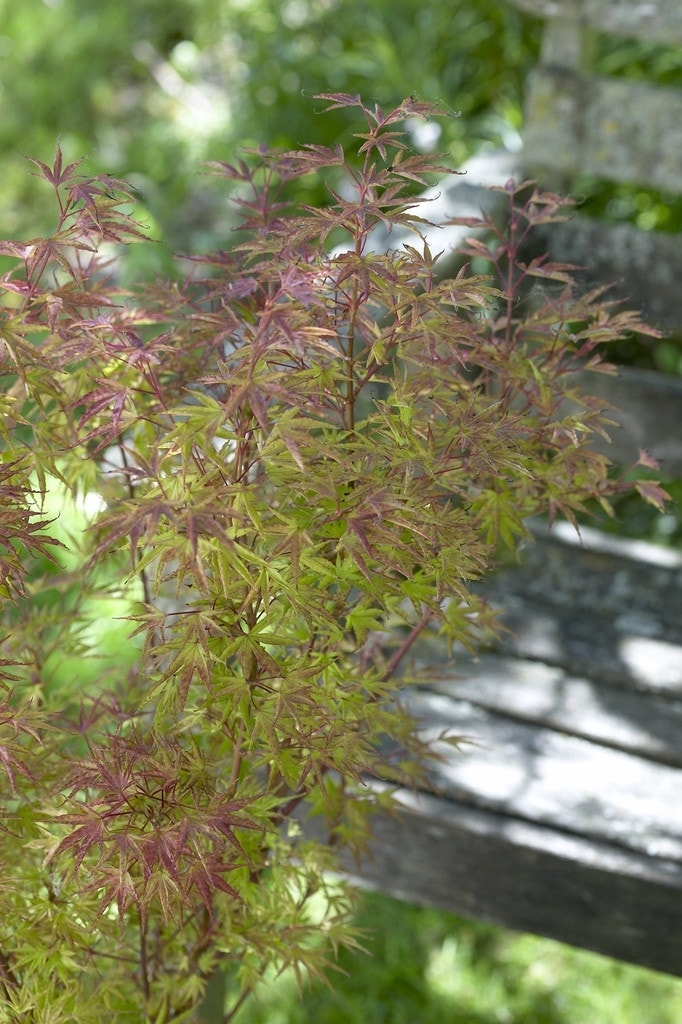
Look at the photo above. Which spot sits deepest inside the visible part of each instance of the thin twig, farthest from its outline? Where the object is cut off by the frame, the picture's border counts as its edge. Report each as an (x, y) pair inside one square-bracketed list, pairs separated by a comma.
[(144, 970), (414, 633), (230, 1015)]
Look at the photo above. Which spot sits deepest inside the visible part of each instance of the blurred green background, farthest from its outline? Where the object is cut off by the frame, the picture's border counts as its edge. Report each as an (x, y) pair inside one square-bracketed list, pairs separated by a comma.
[(427, 967), (150, 89)]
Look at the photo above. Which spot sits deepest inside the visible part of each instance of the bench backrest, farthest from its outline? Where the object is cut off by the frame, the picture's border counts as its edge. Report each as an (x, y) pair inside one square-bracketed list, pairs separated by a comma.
[(614, 129)]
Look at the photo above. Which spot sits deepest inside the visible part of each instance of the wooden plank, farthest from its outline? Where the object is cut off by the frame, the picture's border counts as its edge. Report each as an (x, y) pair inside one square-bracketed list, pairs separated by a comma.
[(523, 876), (648, 410), (612, 128), (657, 21), (563, 818), (643, 267), (547, 697), (549, 778), (588, 538), (595, 611)]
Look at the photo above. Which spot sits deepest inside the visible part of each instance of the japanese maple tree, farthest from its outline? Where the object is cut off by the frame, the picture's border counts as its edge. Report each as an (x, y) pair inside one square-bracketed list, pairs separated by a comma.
[(304, 451)]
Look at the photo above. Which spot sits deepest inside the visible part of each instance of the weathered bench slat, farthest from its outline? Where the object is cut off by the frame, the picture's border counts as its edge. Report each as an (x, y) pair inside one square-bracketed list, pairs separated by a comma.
[(563, 814), (657, 21), (647, 413), (574, 125), (549, 697), (595, 612), (523, 876), (554, 779), (643, 268)]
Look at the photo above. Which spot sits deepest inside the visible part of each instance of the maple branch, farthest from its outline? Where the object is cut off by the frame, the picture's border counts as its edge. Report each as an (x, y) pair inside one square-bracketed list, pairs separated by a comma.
[(230, 1015), (144, 578), (144, 967), (7, 976), (414, 633)]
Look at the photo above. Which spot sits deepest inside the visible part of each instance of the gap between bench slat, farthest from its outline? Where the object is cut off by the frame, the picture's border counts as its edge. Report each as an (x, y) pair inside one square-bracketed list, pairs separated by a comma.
[(548, 697)]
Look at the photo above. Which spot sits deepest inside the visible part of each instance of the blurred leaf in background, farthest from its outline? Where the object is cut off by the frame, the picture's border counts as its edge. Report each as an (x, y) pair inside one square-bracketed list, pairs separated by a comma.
[(151, 88), (79, 626)]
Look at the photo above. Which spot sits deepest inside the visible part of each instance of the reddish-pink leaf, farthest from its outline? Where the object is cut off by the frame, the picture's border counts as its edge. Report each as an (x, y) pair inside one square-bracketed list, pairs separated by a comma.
[(83, 839), (645, 459), (653, 493)]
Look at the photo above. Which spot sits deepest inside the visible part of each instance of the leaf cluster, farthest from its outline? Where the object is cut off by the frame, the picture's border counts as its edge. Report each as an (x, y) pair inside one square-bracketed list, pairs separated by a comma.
[(305, 452)]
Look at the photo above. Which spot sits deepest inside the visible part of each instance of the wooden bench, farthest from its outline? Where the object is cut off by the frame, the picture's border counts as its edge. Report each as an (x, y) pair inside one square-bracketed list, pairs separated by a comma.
[(563, 816)]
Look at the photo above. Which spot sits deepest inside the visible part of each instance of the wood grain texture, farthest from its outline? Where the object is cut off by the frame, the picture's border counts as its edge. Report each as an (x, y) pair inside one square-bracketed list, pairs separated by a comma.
[(529, 878), (575, 123), (561, 813)]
